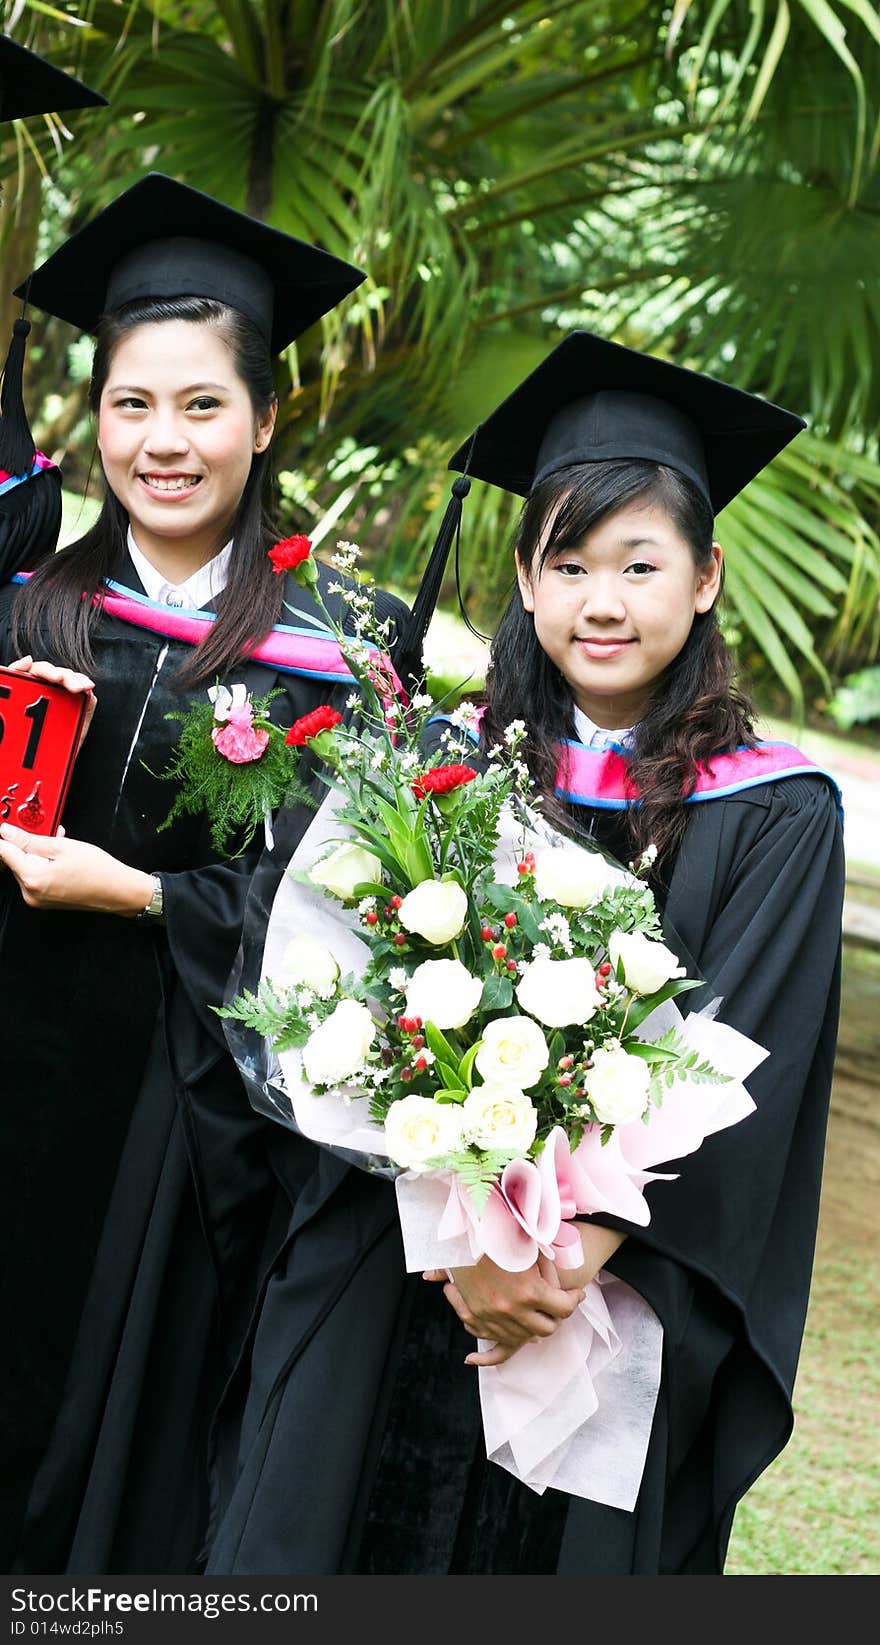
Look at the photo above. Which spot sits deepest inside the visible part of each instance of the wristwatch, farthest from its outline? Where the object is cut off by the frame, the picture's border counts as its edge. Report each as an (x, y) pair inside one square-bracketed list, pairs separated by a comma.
[(156, 906)]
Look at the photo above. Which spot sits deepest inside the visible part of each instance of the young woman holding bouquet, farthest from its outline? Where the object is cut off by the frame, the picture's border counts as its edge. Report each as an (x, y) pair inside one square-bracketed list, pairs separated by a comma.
[(362, 1447), (136, 1206)]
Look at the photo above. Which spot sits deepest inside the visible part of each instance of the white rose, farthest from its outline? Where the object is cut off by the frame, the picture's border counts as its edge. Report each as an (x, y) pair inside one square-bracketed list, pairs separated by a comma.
[(309, 964), (514, 1051), (617, 1086), (647, 965), (435, 910), (338, 1048), (418, 1130), (571, 876), (346, 867), (499, 1116), (559, 993), (443, 992)]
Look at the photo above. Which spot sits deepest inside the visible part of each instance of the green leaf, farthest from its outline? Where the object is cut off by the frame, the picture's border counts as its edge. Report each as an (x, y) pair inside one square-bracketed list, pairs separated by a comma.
[(497, 994)]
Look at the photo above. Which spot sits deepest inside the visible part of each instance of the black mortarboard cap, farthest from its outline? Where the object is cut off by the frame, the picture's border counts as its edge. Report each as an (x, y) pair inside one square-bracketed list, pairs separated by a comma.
[(163, 239), (594, 401), (30, 85)]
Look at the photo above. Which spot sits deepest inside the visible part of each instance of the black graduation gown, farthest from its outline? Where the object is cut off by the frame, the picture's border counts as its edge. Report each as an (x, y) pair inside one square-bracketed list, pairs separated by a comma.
[(360, 1447), (138, 1195)]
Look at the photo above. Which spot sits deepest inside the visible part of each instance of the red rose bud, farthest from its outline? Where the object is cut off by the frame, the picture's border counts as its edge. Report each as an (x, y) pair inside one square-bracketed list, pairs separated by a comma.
[(416, 1022), (294, 554), (405, 1025), (499, 952), (320, 719), (420, 1065), (442, 780)]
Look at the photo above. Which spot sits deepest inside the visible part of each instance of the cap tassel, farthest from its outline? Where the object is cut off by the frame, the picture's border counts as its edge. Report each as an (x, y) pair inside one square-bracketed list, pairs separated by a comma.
[(17, 449), (408, 653)]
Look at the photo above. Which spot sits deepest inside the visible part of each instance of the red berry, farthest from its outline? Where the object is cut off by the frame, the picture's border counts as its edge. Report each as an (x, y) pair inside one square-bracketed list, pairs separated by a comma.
[(605, 968), (529, 859), (511, 965), (372, 918), (565, 1079), (396, 901), (565, 1062), (420, 1065), (600, 983), (418, 1042), (400, 938), (486, 933), (510, 921), (522, 868), (499, 952), (406, 1073), (388, 913), (404, 1024)]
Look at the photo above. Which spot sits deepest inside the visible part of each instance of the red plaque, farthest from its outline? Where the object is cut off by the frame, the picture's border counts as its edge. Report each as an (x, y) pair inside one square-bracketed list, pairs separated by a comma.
[(40, 726)]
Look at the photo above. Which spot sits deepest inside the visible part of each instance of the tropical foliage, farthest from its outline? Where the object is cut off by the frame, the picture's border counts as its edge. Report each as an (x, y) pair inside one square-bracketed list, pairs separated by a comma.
[(697, 177)]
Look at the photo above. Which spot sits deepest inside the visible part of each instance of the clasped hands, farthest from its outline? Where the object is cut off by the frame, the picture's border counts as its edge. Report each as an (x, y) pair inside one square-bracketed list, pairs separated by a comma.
[(509, 1310)]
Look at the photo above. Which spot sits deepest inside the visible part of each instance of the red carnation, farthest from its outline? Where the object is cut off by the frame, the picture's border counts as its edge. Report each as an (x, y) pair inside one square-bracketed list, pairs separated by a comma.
[(320, 719), (442, 780), (290, 553)]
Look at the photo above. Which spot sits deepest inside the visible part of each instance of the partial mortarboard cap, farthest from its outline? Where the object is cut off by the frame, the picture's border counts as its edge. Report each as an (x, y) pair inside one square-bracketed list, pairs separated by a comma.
[(163, 239), (30, 85), (593, 401)]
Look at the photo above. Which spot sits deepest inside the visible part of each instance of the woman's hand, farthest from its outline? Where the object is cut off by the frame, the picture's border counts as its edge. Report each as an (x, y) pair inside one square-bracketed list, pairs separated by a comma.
[(598, 1245), (61, 873), (68, 677), (507, 1309)]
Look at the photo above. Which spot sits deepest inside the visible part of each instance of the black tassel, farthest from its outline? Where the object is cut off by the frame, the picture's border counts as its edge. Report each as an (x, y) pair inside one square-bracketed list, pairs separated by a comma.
[(408, 651), (16, 440)]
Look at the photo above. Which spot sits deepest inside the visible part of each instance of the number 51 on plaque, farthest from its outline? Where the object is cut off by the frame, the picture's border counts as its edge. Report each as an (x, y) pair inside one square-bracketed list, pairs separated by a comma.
[(40, 726)]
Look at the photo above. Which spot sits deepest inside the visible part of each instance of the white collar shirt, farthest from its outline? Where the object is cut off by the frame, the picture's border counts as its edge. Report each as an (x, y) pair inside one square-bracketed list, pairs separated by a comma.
[(595, 736), (203, 586)]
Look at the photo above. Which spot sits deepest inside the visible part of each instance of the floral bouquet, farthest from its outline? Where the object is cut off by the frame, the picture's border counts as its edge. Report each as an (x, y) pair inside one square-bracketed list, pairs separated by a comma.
[(456, 996)]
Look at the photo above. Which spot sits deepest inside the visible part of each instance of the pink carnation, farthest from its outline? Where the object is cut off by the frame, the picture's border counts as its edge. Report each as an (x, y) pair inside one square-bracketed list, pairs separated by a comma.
[(237, 740)]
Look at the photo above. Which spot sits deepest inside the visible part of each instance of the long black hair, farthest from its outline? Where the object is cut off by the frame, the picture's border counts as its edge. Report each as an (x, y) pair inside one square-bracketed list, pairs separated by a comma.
[(695, 709), (53, 603)]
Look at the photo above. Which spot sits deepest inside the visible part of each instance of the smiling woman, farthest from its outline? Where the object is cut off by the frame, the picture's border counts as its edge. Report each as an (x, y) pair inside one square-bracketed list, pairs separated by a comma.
[(136, 1203)]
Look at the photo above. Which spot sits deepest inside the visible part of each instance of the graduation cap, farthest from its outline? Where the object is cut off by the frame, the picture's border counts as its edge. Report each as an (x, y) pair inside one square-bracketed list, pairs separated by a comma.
[(30, 85), (163, 239), (593, 401)]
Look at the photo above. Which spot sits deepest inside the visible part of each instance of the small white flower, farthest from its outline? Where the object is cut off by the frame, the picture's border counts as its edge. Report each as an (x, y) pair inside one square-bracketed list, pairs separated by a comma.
[(618, 1086), (418, 1130), (647, 965), (339, 1046), (514, 1051), (560, 993), (499, 1116), (306, 998), (466, 715), (398, 978), (560, 930), (514, 732), (352, 701), (435, 910), (443, 992), (422, 700), (366, 905), (346, 866)]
